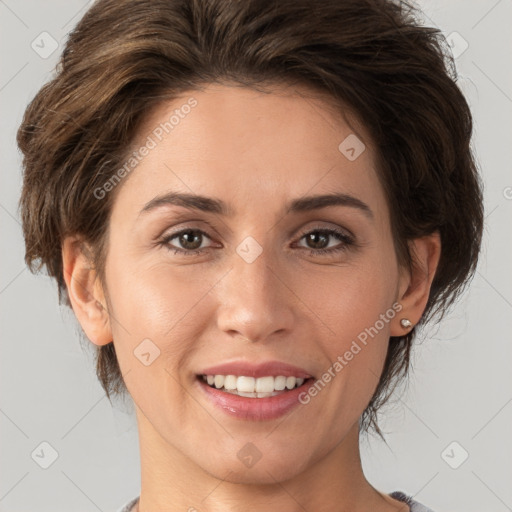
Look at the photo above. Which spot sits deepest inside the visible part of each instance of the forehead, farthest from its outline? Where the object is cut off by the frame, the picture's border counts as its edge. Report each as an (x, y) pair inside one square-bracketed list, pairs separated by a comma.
[(246, 146)]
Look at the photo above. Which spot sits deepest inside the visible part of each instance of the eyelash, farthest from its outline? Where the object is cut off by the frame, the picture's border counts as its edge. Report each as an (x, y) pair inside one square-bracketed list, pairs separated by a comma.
[(347, 242)]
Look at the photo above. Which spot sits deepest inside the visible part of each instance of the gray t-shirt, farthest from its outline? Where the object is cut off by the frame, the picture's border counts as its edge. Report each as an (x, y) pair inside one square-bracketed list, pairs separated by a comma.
[(397, 495)]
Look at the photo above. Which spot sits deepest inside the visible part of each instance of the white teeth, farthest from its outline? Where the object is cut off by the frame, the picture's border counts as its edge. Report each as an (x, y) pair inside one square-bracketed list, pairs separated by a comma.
[(266, 395), (230, 382), (265, 385), (219, 381), (243, 393), (245, 384), (261, 387), (279, 383)]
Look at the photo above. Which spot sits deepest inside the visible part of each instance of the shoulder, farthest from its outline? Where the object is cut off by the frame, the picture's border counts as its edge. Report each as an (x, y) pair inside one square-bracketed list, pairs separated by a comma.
[(413, 504), (129, 505)]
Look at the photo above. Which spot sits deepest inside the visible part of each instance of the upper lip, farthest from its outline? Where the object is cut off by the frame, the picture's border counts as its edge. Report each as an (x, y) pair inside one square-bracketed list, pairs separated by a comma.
[(262, 369)]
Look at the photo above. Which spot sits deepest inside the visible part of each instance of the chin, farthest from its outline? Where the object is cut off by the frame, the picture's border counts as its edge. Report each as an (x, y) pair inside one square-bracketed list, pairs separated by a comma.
[(263, 474), (249, 467)]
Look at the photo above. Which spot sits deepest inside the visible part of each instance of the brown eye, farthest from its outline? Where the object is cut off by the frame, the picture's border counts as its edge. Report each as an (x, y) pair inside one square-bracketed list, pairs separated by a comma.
[(319, 241), (188, 240)]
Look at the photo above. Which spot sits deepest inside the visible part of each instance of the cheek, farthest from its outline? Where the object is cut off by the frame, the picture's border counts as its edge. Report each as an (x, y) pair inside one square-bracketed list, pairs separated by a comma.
[(156, 317), (354, 307), (157, 304), (350, 299)]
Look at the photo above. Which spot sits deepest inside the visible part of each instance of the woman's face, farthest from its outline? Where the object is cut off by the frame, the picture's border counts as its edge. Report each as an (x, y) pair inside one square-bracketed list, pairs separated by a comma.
[(259, 276)]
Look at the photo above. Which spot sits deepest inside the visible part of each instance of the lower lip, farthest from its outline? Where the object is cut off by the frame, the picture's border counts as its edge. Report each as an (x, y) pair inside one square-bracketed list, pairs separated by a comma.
[(255, 409)]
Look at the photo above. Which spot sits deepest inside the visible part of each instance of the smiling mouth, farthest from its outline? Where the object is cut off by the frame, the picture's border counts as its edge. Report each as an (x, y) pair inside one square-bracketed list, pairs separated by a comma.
[(251, 387)]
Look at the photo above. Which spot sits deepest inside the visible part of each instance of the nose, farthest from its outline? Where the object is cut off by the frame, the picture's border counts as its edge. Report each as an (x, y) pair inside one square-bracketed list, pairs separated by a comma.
[(254, 300)]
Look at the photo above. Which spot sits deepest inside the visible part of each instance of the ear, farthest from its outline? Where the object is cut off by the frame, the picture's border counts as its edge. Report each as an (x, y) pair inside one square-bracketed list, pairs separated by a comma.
[(85, 292), (414, 285)]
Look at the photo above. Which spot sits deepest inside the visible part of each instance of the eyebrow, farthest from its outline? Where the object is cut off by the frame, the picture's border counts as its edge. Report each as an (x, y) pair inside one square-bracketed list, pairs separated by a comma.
[(212, 205)]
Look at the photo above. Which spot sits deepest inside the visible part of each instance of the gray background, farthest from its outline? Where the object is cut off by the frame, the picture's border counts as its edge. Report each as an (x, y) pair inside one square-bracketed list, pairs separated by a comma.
[(460, 389)]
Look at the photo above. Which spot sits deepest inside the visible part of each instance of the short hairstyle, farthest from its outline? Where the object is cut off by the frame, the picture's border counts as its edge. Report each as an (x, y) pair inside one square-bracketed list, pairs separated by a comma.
[(373, 56)]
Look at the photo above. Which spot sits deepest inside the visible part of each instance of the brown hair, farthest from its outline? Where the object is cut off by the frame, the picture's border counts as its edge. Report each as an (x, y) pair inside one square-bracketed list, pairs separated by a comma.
[(125, 56)]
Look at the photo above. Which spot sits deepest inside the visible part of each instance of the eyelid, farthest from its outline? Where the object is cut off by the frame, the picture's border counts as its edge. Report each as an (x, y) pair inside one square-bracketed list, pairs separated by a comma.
[(187, 223), (331, 227)]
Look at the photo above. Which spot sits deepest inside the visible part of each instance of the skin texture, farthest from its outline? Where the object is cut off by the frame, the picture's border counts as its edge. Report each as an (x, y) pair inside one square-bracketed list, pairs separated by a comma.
[(256, 152)]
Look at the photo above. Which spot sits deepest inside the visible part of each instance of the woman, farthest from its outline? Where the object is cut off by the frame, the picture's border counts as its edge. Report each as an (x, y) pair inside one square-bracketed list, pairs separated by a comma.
[(250, 207)]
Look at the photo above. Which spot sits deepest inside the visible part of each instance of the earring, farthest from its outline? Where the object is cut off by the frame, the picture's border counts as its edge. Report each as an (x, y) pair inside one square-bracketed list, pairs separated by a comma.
[(405, 323)]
